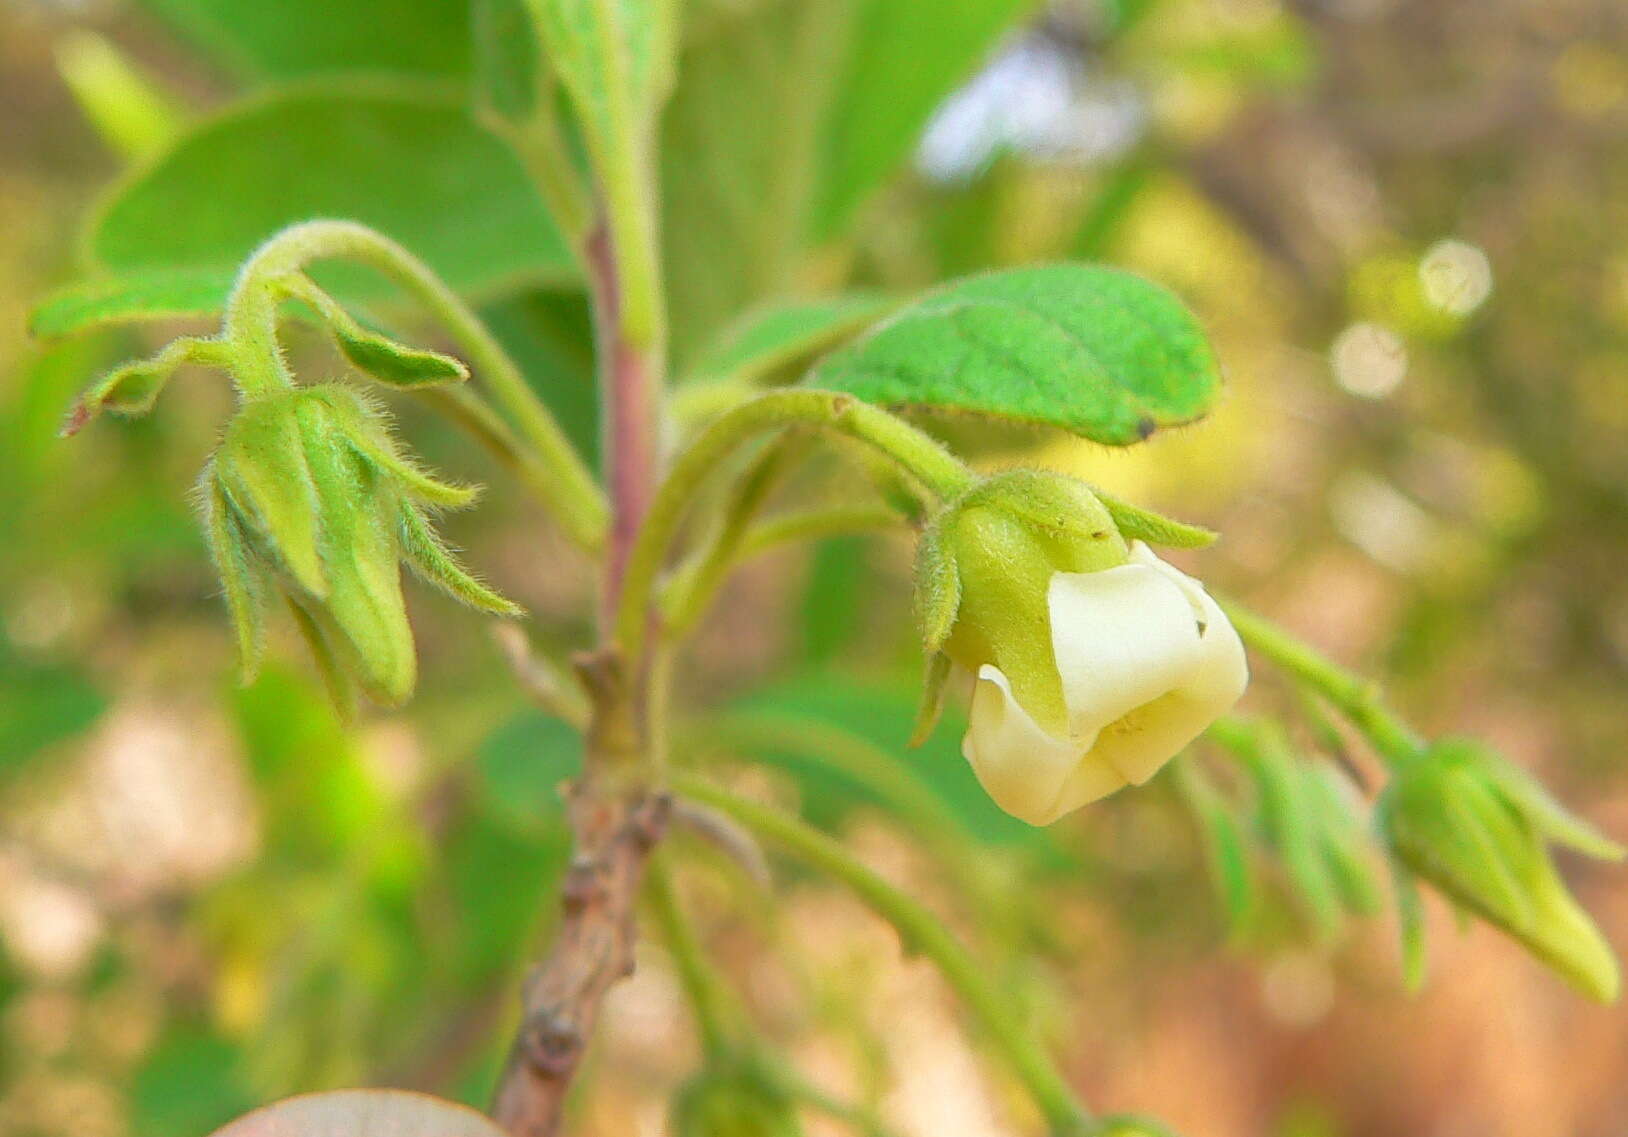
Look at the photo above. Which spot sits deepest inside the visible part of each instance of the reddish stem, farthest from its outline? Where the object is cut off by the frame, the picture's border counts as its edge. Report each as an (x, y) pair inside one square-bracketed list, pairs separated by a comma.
[(629, 402)]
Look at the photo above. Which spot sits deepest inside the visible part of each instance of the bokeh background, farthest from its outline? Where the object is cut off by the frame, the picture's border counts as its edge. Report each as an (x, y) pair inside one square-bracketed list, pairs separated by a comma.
[(1403, 222)]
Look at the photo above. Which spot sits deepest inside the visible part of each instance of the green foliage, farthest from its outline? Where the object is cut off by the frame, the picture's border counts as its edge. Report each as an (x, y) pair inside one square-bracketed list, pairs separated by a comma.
[(296, 38), (308, 490), (506, 58), (408, 161), (615, 60), (903, 57), (786, 117), (1465, 822), (1095, 351), (162, 294), (40, 706), (777, 340), (191, 1082)]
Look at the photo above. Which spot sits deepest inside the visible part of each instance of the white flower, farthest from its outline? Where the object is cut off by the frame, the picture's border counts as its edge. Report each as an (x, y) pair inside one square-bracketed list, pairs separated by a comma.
[(1147, 661)]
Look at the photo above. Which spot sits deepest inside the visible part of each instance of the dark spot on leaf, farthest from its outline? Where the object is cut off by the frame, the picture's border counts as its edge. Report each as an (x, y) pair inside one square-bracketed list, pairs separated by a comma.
[(1146, 426)]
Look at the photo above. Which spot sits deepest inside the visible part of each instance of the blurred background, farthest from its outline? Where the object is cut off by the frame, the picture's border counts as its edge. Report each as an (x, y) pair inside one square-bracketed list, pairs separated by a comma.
[(1403, 222)]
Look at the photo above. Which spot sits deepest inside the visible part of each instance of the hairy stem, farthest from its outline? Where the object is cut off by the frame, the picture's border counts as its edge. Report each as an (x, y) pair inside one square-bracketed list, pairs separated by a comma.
[(1355, 697), (921, 932)]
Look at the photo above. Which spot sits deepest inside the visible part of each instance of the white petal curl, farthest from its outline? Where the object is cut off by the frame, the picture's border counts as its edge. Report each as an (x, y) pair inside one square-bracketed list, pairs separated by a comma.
[(1147, 661)]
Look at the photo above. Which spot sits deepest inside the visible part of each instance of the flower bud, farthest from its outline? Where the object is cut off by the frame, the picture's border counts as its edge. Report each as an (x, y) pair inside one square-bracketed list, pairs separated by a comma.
[(308, 489), (1095, 661), (1477, 829)]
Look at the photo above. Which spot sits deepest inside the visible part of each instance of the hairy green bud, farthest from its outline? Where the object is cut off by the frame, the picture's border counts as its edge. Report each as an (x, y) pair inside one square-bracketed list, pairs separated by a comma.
[(1478, 830), (308, 490)]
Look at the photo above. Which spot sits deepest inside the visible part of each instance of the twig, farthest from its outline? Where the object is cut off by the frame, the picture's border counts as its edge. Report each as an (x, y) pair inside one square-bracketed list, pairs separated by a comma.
[(615, 823)]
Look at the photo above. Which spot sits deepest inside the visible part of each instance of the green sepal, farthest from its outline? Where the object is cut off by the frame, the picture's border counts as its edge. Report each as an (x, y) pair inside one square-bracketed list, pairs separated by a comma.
[(341, 691), (1291, 828), (931, 706), (241, 582), (1001, 543), (1452, 820), (430, 559), (1345, 844), (390, 362), (1051, 502), (133, 388), (1225, 847), (365, 429), (262, 467), (1410, 926), (1545, 812), (1141, 524), (938, 589), (359, 510)]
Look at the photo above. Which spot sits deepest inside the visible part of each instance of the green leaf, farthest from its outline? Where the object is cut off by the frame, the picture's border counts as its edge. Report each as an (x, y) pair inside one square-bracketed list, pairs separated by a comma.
[(189, 1082), (519, 770), (904, 57), (385, 359), (506, 59), (786, 116), (1091, 350), (550, 335), (40, 705), (297, 38), (404, 159), (777, 340), (614, 58), (165, 294)]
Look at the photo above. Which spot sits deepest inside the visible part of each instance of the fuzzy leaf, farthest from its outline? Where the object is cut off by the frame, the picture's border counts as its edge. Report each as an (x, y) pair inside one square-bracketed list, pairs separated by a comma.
[(1095, 351), (165, 294), (133, 388), (381, 154), (386, 360)]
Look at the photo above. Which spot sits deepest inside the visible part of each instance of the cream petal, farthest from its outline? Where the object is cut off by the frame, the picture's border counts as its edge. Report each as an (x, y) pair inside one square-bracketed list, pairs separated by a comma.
[(1034, 776), (1122, 637), (1140, 741)]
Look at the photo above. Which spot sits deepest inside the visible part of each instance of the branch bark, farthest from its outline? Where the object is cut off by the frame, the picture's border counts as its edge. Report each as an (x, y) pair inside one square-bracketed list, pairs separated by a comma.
[(616, 820)]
